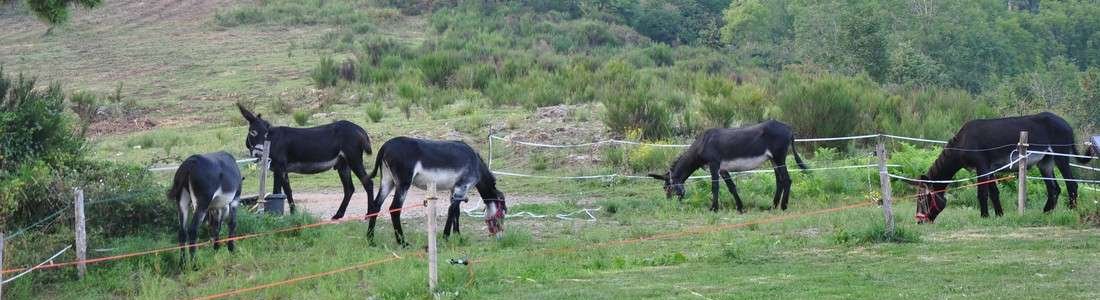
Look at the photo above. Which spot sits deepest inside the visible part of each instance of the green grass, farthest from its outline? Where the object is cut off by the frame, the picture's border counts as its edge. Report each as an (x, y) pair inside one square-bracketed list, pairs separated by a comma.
[(962, 255)]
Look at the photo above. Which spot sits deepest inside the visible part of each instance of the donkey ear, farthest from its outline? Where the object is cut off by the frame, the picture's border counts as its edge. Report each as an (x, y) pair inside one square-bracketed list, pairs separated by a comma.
[(246, 113), (659, 177)]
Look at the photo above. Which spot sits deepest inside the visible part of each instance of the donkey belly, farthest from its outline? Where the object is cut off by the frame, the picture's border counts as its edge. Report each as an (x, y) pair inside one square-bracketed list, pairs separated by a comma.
[(223, 199), (745, 163), (444, 179), (313, 167)]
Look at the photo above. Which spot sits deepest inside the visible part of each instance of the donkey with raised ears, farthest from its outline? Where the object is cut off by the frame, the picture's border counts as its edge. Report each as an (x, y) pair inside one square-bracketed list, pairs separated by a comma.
[(987, 145), (338, 145), (207, 184), (724, 150), (449, 165)]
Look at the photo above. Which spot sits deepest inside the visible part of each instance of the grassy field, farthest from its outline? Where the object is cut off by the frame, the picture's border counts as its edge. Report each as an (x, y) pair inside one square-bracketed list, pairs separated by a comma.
[(186, 69), (826, 255)]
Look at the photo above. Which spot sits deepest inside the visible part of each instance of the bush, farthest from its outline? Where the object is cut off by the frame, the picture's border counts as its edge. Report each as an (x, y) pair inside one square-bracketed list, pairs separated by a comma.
[(326, 73), (634, 101), (746, 104), (829, 105), (410, 92), (661, 54), (41, 159), (301, 117), (84, 104), (374, 111), (437, 67), (649, 159)]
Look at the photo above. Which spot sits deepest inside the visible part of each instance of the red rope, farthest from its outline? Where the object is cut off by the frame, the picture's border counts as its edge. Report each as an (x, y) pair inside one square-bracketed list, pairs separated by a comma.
[(297, 279)]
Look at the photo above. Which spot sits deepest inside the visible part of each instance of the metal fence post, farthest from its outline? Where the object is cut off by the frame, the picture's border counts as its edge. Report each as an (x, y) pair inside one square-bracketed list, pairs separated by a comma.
[(264, 164)]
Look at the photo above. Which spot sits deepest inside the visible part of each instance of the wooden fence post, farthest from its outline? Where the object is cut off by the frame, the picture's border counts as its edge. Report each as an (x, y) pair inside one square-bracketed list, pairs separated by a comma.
[(81, 238), (263, 162), (1021, 185), (884, 181), (433, 275), (1, 264)]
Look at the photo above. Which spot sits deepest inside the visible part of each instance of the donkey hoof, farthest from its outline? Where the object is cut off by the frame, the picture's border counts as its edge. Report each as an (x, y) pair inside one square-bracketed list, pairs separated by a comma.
[(337, 217)]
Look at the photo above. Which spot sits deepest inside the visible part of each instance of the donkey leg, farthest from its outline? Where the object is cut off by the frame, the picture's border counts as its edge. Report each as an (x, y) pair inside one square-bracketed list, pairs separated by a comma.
[(395, 212), (356, 165), (288, 193), (193, 230), (216, 227), (995, 197), (454, 214), (458, 195), (349, 189), (1047, 170), (232, 228), (184, 212), (1071, 186), (451, 210), (714, 186), (733, 190), (375, 206), (783, 184), (983, 196)]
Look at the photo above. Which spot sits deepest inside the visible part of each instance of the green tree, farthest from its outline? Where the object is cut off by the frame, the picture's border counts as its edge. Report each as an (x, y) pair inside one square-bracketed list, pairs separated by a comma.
[(56, 12)]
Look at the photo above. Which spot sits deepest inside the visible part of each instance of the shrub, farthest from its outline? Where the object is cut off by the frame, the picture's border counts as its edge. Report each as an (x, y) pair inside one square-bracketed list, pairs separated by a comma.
[(661, 54), (282, 106), (437, 67), (633, 101), (649, 159), (301, 117), (472, 123), (410, 91), (827, 106), (374, 111), (84, 104), (473, 76), (746, 104), (347, 70), (326, 73)]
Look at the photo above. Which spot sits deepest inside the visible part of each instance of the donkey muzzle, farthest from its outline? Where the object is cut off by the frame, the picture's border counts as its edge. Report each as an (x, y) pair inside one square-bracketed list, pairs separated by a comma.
[(494, 218)]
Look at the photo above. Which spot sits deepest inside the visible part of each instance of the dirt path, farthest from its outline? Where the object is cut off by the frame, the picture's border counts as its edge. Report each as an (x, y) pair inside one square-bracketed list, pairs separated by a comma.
[(323, 204)]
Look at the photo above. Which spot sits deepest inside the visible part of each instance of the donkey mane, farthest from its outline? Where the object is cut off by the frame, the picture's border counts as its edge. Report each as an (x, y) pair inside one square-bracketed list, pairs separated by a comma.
[(947, 164)]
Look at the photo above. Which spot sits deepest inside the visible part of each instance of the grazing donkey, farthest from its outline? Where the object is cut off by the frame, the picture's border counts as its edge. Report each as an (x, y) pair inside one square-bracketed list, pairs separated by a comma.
[(722, 150), (206, 184), (338, 145), (986, 145), (449, 165)]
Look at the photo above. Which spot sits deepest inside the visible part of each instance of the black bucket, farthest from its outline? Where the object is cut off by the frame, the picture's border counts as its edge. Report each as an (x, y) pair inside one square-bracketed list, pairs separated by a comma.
[(274, 203)]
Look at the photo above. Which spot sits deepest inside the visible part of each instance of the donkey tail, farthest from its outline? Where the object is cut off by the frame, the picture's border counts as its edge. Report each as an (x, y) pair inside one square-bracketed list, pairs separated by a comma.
[(377, 160), (183, 174), (797, 158)]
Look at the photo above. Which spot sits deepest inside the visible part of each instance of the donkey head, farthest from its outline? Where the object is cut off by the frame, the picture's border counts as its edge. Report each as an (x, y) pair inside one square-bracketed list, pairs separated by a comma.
[(931, 200), (495, 210), (671, 187), (257, 131)]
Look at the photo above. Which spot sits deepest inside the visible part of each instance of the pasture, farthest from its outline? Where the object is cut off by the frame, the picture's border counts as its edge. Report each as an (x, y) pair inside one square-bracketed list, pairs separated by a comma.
[(186, 65)]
